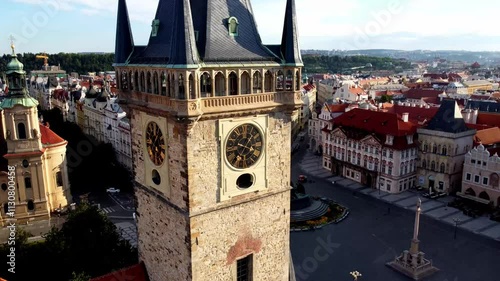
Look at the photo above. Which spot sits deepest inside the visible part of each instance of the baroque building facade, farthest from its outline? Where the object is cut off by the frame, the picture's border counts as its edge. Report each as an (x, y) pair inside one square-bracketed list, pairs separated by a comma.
[(444, 142), (211, 110), (377, 149), (34, 162), (481, 175)]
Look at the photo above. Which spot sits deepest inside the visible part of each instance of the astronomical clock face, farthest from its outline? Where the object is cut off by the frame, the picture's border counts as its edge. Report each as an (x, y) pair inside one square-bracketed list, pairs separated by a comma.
[(155, 143), (244, 146)]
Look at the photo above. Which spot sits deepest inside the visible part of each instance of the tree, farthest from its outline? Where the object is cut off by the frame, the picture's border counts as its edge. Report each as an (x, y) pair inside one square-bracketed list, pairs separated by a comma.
[(82, 276), (385, 98)]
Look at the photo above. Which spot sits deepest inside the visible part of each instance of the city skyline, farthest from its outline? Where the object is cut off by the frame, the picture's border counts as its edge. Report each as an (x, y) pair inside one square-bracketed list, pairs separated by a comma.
[(89, 26)]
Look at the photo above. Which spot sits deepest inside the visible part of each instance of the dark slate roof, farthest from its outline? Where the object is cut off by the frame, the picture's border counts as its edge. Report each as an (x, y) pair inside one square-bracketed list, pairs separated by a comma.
[(175, 40), (448, 118), (290, 41), (124, 41), (214, 41), (484, 106)]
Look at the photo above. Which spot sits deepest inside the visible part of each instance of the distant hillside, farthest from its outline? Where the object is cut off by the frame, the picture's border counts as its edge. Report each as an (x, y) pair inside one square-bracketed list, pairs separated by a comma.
[(81, 63), (350, 64), (417, 55)]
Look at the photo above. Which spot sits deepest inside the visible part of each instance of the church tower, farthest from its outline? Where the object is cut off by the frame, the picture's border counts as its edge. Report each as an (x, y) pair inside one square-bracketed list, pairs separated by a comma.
[(36, 153), (211, 110)]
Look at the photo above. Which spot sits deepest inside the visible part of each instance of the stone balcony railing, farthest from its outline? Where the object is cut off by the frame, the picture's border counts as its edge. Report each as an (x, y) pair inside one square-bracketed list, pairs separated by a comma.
[(212, 105)]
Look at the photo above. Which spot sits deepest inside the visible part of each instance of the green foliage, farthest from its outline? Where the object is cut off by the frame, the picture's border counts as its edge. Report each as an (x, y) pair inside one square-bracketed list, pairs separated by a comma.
[(92, 165), (385, 98), (339, 64), (81, 63), (87, 244)]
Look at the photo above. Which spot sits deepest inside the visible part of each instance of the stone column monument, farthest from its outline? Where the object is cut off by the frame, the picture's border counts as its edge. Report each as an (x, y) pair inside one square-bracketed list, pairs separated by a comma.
[(412, 263)]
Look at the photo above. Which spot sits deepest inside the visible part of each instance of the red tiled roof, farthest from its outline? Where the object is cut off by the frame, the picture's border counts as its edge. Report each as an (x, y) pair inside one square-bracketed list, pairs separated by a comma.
[(421, 93), (356, 91), (337, 107), (26, 154), (378, 122), (49, 138), (388, 93), (415, 114), (308, 87), (135, 272), (436, 76), (477, 126), (487, 118), (488, 136), (433, 100)]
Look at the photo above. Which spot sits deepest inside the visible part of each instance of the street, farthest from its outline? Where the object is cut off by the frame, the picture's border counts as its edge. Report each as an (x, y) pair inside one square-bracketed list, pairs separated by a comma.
[(375, 232)]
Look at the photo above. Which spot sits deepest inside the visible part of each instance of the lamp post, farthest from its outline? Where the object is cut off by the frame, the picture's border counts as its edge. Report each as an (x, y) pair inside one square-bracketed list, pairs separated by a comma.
[(456, 221), (355, 275)]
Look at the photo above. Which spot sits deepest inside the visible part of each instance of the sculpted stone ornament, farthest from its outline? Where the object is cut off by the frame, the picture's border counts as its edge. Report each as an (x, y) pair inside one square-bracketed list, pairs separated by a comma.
[(36, 134), (9, 136)]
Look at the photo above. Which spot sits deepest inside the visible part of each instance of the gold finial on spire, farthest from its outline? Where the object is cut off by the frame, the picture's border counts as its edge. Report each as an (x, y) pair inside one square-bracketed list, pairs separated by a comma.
[(12, 46)]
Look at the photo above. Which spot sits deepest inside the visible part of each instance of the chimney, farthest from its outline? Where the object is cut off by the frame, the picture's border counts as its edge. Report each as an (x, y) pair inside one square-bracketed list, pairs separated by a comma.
[(405, 117)]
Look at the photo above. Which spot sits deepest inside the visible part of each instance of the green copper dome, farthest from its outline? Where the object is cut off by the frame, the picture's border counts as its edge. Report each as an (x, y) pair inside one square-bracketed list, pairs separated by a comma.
[(14, 66)]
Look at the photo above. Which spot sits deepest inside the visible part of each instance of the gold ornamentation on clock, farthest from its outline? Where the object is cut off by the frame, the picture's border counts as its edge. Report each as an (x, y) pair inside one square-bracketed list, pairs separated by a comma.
[(244, 146), (155, 143)]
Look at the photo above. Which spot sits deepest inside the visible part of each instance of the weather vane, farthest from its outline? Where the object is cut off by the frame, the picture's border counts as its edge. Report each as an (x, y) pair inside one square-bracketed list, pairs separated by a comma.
[(12, 39)]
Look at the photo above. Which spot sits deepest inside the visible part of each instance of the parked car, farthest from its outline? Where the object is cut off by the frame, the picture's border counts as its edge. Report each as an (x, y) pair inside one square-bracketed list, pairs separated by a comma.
[(112, 190)]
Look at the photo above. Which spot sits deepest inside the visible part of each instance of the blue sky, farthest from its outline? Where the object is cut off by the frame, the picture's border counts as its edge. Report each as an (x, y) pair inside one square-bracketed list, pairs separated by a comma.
[(89, 25)]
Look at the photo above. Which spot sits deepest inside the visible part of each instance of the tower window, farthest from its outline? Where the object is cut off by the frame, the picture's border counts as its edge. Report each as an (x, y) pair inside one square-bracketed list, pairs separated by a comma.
[(26, 163), (59, 179), (245, 181), (4, 186), (233, 26), (5, 208), (31, 205), (21, 131), (27, 182), (244, 269)]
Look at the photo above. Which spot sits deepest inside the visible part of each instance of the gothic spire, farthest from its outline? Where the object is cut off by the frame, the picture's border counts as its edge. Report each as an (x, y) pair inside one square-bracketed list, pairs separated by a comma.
[(124, 44), (290, 49)]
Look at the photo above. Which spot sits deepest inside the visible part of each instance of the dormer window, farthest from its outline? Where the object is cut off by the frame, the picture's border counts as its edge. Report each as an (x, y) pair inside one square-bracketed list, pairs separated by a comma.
[(232, 23), (155, 25), (389, 140)]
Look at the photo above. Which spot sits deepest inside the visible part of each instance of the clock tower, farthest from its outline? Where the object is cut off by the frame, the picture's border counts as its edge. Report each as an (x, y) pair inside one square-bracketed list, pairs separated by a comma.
[(211, 110)]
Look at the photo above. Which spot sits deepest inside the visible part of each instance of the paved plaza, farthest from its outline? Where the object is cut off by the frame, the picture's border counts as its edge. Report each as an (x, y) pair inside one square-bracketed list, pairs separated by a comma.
[(435, 208), (128, 231), (380, 227)]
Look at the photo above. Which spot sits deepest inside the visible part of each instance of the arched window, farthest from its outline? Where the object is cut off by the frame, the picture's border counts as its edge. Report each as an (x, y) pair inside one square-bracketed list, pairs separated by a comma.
[(205, 85), (220, 85), (155, 84), (233, 84), (59, 179), (494, 180), (233, 26), (433, 165), (424, 164), (143, 83), (136, 81), (5, 207), (289, 80), (426, 147), (441, 168), (163, 84), (182, 92), (280, 81), (245, 83), (21, 131), (31, 205), (148, 81), (444, 150), (268, 82), (484, 195), (4, 186), (297, 80), (124, 79), (192, 92), (434, 148), (257, 82)]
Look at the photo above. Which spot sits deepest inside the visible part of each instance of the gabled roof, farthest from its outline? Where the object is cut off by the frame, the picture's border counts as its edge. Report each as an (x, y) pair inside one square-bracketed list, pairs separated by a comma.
[(486, 118), (488, 136), (421, 93), (415, 114), (378, 122), (49, 138), (135, 272), (448, 118)]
